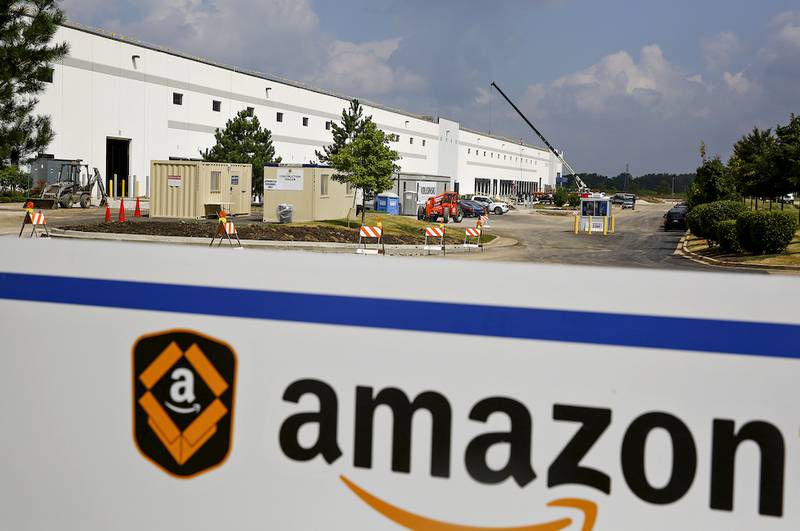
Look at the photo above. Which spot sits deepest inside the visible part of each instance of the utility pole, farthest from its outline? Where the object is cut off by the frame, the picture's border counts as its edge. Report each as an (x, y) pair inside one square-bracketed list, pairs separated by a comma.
[(625, 178)]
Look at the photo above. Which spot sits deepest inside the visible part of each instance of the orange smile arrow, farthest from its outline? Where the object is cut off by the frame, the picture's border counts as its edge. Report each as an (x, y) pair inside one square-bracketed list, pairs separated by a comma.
[(421, 523)]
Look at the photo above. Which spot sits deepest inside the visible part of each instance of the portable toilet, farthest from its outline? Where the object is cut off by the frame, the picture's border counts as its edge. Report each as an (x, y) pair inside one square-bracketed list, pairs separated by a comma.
[(389, 203), (595, 213)]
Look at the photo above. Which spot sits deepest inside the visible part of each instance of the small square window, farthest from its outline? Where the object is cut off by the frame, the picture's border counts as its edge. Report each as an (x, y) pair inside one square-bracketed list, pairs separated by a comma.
[(279, 117), (411, 140), (177, 98), (251, 111), (305, 123), (214, 184), (45, 75), (469, 151), (423, 142), (328, 125), (216, 106)]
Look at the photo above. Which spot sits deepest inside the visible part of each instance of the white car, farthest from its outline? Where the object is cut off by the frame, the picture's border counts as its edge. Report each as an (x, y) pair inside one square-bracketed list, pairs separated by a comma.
[(494, 207)]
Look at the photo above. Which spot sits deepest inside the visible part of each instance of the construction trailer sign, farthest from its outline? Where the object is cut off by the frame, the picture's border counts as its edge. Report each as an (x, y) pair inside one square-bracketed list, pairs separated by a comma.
[(158, 390)]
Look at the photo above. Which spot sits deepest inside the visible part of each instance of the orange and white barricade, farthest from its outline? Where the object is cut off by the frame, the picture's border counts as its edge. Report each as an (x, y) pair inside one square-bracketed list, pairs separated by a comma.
[(485, 220), (34, 219), (431, 235), (226, 229), (475, 233), (367, 233)]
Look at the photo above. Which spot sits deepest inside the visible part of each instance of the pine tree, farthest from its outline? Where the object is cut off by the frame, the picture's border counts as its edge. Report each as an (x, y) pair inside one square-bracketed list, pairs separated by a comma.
[(352, 125), (367, 163), (243, 141), (26, 57)]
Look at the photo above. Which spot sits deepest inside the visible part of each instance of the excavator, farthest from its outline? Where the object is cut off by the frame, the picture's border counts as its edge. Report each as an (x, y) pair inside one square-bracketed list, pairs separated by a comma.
[(69, 188), (582, 188)]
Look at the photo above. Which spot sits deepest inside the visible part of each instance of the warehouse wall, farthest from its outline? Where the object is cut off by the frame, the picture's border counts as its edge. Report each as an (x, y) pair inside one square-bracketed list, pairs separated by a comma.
[(111, 87)]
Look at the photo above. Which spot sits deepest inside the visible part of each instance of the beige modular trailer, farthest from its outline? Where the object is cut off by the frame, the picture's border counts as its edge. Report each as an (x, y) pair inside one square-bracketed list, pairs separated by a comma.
[(311, 191), (187, 189)]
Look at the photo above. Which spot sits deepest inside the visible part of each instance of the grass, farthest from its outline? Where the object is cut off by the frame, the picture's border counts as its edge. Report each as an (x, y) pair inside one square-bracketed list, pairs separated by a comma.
[(791, 256), (406, 226)]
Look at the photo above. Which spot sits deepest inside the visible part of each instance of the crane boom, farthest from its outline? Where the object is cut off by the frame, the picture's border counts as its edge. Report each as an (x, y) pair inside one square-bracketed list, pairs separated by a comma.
[(581, 185)]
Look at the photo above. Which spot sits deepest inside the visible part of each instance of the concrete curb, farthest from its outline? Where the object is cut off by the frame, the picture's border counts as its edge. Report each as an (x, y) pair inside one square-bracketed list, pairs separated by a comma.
[(683, 249), (329, 247)]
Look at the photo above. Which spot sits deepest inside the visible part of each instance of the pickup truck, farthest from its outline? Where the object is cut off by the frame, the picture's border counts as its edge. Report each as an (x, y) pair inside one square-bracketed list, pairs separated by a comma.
[(492, 206)]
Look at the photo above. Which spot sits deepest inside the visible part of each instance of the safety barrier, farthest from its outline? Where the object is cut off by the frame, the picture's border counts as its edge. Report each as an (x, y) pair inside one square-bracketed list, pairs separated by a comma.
[(226, 229), (484, 219), (431, 233), (370, 233), (34, 219), (473, 233)]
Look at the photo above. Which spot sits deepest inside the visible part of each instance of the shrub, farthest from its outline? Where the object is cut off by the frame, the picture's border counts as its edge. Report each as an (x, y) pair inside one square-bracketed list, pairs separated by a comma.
[(727, 237), (703, 219), (574, 200), (765, 231), (560, 197)]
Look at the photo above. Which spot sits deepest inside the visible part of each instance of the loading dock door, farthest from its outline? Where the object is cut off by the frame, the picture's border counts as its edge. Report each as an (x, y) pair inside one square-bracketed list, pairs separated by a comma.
[(118, 163)]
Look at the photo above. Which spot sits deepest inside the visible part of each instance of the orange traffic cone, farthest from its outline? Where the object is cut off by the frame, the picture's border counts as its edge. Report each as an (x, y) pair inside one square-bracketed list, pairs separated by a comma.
[(108, 214), (122, 210), (137, 213)]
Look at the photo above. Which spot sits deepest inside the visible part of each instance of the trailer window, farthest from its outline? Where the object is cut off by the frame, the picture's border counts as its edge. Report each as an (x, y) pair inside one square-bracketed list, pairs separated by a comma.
[(215, 181), (323, 185)]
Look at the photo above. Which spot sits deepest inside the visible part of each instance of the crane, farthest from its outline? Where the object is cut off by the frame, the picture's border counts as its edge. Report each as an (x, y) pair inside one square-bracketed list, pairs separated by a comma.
[(581, 185)]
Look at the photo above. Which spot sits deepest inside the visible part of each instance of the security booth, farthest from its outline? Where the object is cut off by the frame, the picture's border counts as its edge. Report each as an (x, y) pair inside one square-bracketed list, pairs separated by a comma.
[(595, 213)]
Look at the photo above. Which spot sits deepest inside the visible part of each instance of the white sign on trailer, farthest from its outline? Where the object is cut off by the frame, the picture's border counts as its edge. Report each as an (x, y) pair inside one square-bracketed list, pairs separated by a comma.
[(290, 179), (425, 190), (205, 400)]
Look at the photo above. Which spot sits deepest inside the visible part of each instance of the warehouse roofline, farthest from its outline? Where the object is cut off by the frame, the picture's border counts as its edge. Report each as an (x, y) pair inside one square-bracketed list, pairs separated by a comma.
[(269, 77)]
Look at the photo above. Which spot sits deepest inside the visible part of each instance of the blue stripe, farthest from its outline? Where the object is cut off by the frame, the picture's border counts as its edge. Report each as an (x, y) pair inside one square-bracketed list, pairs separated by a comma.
[(675, 333)]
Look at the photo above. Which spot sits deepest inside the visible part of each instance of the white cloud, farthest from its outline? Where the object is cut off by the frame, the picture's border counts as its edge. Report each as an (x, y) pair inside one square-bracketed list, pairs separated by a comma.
[(740, 84), (788, 28), (365, 69), (719, 51), (483, 98)]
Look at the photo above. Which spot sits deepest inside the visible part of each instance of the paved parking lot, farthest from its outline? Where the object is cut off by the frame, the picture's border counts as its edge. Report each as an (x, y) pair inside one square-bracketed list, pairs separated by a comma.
[(639, 241)]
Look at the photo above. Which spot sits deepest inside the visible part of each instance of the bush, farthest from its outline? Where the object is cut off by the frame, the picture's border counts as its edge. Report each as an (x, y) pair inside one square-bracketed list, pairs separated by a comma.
[(560, 197), (765, 231), (574, 200), (727, 236), (703, 219)]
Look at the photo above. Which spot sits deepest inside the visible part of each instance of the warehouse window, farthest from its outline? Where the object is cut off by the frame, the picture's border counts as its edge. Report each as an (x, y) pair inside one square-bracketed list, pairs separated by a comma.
[(215, 181), (177, 98), (305, 121), (423, 142), (251, 111), (328, 125), (411, 140), (45, 75), (323, 185), (216, 106), (279, 117), (469, 151)]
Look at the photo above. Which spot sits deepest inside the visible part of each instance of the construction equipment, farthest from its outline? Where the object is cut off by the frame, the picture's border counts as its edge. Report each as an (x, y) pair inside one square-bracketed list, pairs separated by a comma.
[(443, 206), (581, 185), (70, 189)]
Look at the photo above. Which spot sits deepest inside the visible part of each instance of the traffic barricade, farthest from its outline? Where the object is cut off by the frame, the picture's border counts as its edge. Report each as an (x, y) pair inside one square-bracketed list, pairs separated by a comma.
[(473, 232), (367, 233), (34, 219), (226, 229), (485, 220), (431, 235)]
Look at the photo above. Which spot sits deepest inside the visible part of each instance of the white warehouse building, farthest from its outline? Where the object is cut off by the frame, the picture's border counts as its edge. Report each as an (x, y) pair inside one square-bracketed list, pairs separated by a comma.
[(117, 104)]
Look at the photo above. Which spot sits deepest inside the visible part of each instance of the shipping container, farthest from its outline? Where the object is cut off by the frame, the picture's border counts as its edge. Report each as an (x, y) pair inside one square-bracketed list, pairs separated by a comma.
[(193, 190), (311, 191)]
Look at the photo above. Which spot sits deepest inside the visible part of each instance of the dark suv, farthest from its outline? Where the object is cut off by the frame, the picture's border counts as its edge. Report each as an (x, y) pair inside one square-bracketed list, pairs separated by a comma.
[(676, 218)]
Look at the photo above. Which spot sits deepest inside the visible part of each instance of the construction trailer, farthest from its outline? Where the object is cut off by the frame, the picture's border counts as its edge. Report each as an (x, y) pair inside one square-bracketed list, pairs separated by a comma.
[(194, 190), (414, 189), (309, 189)]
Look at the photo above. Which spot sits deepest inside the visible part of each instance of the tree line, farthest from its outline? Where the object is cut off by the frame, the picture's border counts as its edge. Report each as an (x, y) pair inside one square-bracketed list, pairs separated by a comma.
[(649, 184)]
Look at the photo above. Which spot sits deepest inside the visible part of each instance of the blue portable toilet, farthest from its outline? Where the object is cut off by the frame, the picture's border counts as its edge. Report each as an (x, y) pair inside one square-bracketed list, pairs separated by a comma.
[(389, 203)]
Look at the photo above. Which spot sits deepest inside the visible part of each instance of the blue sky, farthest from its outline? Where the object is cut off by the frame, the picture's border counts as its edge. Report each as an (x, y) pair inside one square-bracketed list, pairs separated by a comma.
[(609, 82)]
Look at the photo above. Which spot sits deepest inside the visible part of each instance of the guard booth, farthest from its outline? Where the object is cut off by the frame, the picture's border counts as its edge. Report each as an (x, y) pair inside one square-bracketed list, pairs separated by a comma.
[(595, 213)]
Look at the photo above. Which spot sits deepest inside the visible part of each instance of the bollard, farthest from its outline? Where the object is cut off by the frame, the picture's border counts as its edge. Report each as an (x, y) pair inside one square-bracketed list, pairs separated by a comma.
[(136, 184), (590, 225), (111, 189), (605, 225), (613, 219), (577, 223), (122, 185)]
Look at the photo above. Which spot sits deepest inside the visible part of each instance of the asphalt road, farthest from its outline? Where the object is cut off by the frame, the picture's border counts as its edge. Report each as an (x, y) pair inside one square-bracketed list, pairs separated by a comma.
[(639, 241)]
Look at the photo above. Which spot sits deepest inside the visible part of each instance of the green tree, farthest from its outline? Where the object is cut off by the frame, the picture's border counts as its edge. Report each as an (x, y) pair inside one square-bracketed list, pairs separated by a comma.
[(26, 57), (244, 141), (787, 158), (367, 163), (752, 165), (352, 125), (713, 182)]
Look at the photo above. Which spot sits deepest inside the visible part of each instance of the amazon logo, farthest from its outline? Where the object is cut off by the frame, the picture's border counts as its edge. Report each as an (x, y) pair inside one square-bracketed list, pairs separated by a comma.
[(726, 436)]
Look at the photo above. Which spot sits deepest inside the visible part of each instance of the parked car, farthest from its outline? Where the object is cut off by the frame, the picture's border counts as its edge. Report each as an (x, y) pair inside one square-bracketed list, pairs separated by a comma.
[(471, 208), (788, 199), (493, 206), (675, 218), (618, 199)]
